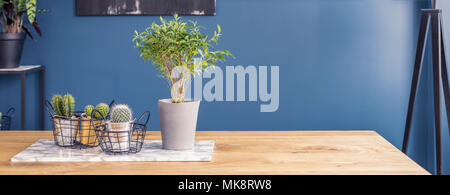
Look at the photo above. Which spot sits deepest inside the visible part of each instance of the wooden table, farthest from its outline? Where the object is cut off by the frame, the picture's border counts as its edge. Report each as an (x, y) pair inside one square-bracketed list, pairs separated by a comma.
[(241, 152)]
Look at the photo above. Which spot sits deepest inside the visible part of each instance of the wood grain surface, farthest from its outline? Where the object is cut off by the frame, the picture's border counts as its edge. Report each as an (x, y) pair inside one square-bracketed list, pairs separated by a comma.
[(240, 152)]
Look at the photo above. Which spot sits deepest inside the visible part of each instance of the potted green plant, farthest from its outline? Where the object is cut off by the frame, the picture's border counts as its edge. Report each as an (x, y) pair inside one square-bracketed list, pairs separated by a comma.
[(87, 131), (12, 14), (65, 123), (119, 127), (178, 49)]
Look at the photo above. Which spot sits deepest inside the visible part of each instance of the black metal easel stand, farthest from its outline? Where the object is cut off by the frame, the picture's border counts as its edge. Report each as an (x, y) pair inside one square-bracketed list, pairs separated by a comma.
[(439, 74)]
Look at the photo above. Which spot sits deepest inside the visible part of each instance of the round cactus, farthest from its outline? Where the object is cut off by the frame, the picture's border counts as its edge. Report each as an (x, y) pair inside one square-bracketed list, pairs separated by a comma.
[(88, 110), (121, 113), (103, 109)]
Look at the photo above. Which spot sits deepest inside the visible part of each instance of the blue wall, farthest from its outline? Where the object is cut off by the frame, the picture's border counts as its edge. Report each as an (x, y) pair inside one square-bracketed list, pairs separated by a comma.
[(344, 65)]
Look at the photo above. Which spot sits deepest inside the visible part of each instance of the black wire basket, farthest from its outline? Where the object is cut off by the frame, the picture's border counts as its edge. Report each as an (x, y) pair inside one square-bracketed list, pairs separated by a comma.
[(122, 138), (75, 132), (5, 121), (87, 137), (65, 129)]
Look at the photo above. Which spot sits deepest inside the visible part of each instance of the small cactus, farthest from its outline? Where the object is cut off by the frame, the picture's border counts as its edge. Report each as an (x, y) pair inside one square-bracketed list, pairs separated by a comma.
[(88, 110), (103, 109), (121, 113), (63, 106)]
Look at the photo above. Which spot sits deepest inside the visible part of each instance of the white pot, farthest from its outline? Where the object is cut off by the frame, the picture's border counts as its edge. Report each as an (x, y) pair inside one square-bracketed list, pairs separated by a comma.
[(120, 142), (66, 131), (178, 122)]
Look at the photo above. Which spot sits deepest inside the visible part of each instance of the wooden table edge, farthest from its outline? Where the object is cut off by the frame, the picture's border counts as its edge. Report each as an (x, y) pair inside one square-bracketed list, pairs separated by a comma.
[(261, 133)]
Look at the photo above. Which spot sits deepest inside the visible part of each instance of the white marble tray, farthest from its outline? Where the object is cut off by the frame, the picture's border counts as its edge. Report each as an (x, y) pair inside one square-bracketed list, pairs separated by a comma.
[(45, 150)]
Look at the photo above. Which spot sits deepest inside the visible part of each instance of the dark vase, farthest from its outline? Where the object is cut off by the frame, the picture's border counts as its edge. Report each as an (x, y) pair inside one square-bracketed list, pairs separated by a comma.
[(11, 46)]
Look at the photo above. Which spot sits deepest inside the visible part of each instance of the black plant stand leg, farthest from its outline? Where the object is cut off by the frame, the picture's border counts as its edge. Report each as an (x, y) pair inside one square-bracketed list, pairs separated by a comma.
[(440, 74), (22, 101), (42, 98), (445, 74), (415, 80), (437, 72)]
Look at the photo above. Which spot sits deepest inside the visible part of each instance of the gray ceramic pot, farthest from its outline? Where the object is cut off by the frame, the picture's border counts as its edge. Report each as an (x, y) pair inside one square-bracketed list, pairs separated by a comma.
[(178, 123)]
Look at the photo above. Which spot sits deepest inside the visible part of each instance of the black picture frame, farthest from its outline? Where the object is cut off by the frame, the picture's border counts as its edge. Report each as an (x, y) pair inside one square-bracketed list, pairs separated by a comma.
[(144, 7)]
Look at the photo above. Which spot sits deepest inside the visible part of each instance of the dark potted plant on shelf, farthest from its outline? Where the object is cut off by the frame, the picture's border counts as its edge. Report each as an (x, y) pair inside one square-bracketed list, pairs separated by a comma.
[(14, 31), (178, 50)]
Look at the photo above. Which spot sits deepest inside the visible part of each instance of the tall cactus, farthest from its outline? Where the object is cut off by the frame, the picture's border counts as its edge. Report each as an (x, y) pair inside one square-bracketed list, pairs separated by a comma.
[(121, 113), (63, 106), (69, 105), (57, 104)]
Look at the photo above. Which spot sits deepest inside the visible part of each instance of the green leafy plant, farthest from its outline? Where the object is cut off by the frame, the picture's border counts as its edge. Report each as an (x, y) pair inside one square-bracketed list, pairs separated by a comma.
[(178, 49), (12, 13), (63, 106)]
